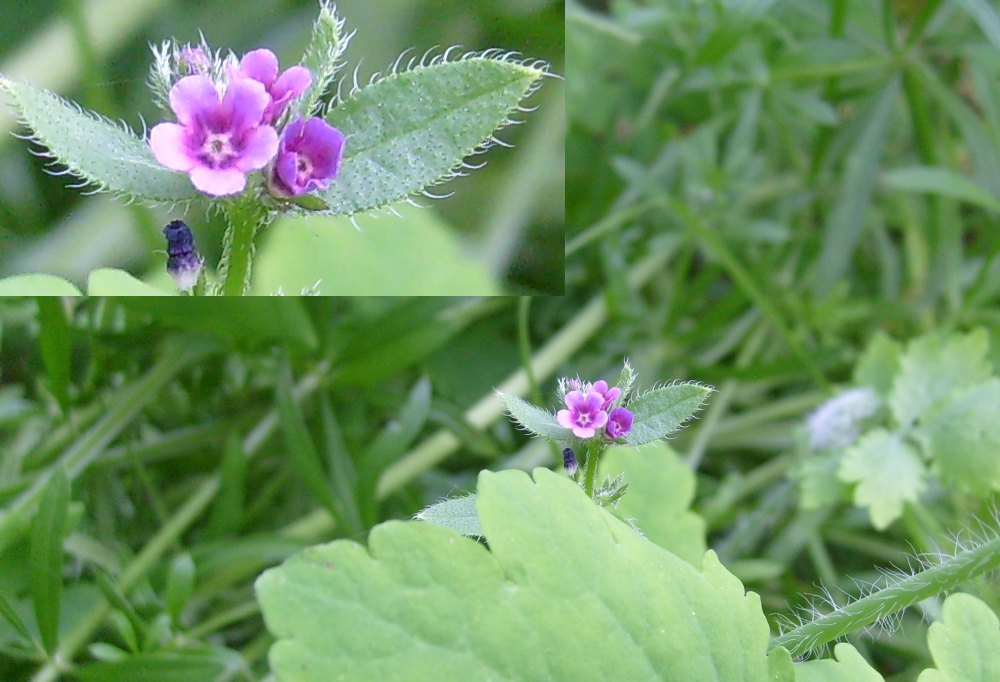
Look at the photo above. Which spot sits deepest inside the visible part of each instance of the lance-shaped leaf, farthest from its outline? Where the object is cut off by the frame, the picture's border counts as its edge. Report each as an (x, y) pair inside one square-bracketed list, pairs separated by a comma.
[(102, 153), (412, 129), (535, 419), (660, 412)]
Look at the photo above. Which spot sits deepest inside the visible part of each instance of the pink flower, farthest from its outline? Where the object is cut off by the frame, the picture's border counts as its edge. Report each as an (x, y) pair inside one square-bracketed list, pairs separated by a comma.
[(610, 395), (619, 423), (308, 157), (584, 415), (215, 142), (262, 66)]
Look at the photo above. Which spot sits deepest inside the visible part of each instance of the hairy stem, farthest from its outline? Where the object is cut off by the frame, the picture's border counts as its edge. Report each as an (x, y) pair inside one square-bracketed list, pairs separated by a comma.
[(245, 218), (901, 593)]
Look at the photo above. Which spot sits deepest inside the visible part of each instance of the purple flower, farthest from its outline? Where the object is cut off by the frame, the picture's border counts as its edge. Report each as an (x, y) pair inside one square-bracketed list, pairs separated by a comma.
[(183, 262), (619, 423), (215, 142), (610, 395), (584, 415), (308, 158), (569, 461), (262, 66)]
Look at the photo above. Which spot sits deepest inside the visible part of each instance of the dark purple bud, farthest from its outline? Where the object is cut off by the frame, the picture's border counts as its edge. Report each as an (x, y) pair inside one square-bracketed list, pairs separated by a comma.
[(183, 262), (569, 461), (619, 423)]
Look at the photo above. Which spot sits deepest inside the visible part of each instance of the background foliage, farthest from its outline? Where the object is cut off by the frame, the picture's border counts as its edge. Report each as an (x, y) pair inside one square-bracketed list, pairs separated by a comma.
[(502, 229)]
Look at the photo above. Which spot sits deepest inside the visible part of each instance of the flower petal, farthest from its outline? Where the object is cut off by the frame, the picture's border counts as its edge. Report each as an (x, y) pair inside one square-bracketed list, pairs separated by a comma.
[(565, 419), (575, 401), (260, 65), (170, 147), (292, 82), (260, 146), (218, 182), (192, 97)]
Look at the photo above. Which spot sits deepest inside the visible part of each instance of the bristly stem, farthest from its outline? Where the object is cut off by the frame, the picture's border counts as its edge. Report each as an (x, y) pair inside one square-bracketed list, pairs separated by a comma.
[(245, 216), (898, 595), (594, 447)]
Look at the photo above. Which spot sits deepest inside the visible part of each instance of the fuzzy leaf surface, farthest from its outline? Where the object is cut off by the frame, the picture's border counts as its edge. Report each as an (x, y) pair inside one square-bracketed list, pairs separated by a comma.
[(849, 666), (660, 412), (932, 367), (410, 129), (888, 472), (963, 437), (423, 603), (660, 492), (965, 643), (536, 420), (458, 513), (102, 153)]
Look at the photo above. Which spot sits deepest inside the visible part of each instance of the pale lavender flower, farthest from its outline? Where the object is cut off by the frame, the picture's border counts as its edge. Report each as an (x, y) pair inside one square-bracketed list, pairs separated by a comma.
[(308, 157), (584, 415), (262, 66), (836, 423), (192, 59), (619, 423), (569, 461), (610, 394), (216, 142)]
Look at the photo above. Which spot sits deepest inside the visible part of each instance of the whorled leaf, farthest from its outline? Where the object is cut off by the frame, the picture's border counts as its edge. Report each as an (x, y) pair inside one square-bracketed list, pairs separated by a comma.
[(662, 411), (412, 129), (564, 592), (103, 154)]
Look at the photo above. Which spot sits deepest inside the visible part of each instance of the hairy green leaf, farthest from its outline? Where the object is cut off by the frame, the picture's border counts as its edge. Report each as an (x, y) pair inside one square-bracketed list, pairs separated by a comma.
[(412, 129), (662, 411), (564, 592), (104, 154), (536, 420)]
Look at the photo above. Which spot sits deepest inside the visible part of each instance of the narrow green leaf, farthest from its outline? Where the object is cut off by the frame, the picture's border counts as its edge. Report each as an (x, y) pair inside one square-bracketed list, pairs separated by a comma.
[(54, 339), (847, 220), (412, 129), (117, 599), (115, 282), (204, 664), (343, 476), (536, 420), (37, 285), (180, 584), (943, 181), (458, 513), (227, 513), (299, 442), (47, 531), (104, 154), (10, 614), (985, 15), (662, 411)]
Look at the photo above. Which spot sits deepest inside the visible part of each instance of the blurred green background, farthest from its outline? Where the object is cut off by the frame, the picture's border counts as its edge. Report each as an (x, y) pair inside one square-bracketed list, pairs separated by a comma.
[(502, 230)]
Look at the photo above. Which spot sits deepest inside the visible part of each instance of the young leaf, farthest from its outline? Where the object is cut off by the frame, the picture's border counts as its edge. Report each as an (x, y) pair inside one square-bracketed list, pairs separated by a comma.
[(932, 367), (180, 583), (888, 472), (849, 667), (102, 153), (37, 285), (423, 603), (963, 437), (322, 57), (55, 342), (458, 513), (47, 531), (661, 411), (965, 643), (536, 420), (660, 491), (412, 129)]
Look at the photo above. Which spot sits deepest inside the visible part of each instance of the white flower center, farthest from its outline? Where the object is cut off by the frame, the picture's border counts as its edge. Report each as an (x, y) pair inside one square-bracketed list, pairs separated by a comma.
[(217, 150)]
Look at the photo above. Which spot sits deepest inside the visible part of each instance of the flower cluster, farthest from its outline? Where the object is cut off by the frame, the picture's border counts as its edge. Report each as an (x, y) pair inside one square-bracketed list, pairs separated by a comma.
[(231, 121), (592, 409)]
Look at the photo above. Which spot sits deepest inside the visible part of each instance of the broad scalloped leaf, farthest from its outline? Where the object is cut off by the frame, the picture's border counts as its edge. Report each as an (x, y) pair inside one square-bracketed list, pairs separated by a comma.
[(660, 491), (104, 154), (564, 592), (933, 367), (816, 475), (37, 284), (963, 437), (888, 472), (115, 282), (412, 129), (850, 666), (965, 643), (536, 420), (879, 364), (660, 412)]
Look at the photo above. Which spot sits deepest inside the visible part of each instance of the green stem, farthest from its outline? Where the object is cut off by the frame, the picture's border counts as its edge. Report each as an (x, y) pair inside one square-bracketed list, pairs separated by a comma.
[(246, 217), (594, 448), (903, 592)]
